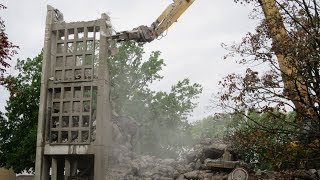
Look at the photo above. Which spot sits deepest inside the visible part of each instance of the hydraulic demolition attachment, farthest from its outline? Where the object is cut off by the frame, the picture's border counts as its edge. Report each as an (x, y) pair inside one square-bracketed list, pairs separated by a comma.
[(164, 21)]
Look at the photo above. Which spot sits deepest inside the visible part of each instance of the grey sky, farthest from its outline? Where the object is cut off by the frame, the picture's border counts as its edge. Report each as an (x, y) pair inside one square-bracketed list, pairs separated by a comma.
[(191, 48)]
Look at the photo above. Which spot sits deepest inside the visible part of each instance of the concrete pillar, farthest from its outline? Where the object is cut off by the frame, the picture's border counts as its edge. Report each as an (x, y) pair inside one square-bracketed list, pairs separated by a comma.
[(43, 95), (104, 129), (67, 168), (54, 169), (46, 162)]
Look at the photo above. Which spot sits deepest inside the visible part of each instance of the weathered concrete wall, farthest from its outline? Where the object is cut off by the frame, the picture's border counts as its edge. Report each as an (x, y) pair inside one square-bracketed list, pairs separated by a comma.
[(6, 174)]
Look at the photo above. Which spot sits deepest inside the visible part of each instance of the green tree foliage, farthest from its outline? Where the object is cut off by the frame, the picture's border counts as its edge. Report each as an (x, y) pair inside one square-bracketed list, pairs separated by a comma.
[(266, 140), (214, 126), (18, 129), (162, 115), (261, 87)]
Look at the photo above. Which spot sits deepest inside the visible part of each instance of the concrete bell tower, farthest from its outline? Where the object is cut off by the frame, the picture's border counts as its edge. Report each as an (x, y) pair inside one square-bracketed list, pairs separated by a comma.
[(74, 134)]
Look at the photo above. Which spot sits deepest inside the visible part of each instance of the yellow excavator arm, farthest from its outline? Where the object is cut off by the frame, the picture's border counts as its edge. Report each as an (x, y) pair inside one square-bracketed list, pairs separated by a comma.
[(163, 22), (170, 15)]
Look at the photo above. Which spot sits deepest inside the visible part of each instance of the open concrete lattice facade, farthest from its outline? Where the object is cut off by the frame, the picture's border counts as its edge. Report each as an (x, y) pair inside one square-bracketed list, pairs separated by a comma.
[(74, 131)]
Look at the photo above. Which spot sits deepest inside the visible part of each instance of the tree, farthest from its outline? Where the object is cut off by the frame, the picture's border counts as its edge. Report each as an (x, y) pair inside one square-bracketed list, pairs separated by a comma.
[(264, 139), (214, 126), (167, 122), (7, 49), (265, 91), (18, 130), (161, 114)]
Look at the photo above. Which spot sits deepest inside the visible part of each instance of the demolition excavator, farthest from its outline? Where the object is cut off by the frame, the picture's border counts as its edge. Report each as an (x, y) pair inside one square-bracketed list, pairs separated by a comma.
[(293, 91)]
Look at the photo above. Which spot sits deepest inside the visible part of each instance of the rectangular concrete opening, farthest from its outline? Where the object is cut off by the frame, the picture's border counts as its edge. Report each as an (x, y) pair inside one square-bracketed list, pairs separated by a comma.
[(72, 167)]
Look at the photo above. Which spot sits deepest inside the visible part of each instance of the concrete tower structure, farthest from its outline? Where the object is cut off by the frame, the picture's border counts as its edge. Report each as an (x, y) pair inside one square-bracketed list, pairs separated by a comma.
[(74, 131)]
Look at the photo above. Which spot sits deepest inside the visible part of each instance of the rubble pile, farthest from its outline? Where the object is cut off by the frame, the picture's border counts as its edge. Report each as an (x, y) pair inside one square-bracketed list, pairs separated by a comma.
[(126, 164), (129, 165), (208, 160)]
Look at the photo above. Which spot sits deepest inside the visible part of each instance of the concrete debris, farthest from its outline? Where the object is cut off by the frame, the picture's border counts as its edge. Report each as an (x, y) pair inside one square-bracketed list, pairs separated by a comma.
[(208, 160), (128, 165)]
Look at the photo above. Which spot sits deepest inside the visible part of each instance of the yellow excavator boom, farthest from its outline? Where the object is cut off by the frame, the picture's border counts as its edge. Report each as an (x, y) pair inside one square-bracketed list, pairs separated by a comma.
[(162, 23), (170, 15), (294, 90)]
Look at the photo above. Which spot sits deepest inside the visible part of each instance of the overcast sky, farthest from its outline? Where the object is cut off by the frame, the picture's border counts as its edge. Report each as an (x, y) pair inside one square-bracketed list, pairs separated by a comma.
[(191, 49)]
